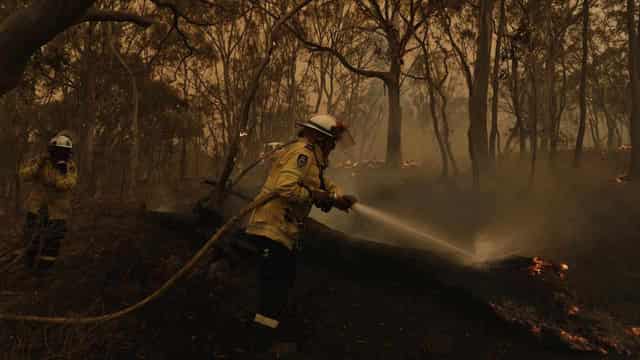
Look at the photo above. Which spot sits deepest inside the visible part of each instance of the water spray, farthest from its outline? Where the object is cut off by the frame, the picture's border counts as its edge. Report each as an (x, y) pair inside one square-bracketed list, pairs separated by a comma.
[(403, 226)]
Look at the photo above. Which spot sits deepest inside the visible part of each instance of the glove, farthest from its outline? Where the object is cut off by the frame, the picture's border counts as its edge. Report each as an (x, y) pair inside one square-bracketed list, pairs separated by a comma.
[(322, 199), (345, 202)]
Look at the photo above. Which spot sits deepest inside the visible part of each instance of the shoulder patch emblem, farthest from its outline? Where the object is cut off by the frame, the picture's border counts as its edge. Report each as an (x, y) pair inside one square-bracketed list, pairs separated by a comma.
[(302, 160)]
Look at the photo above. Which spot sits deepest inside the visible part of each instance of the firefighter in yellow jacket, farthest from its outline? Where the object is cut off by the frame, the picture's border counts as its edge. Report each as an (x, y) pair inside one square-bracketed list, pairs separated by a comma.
[(53, 177), (297, 176)]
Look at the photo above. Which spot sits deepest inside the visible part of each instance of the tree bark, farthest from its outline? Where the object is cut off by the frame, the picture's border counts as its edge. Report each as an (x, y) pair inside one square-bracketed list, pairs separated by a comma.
[(583, 85), (478, 142), (494, 145), (394, 133)]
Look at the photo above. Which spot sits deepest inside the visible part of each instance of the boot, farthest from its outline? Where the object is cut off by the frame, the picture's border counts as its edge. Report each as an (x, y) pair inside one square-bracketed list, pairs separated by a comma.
[(267, 344), (50, 246)]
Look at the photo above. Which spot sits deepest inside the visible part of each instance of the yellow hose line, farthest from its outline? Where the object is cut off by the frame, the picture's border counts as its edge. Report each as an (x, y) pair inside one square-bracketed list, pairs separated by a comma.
[(167, 285)]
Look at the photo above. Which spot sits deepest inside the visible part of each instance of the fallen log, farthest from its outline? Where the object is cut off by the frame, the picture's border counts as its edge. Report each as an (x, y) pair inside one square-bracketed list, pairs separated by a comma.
[(529, 293)]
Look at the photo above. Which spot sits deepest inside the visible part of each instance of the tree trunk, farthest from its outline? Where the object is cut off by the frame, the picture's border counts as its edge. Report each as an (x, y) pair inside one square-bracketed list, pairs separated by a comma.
[(446, 131), (548, 125), (478, 142), (594, 125), (436, 131), (494, 144), (557, 113), (533, 118), (394, 131), (634, 68), (90, 118), (131, 186), (612, 128), (519, 129), (583, 85), (26, 30)]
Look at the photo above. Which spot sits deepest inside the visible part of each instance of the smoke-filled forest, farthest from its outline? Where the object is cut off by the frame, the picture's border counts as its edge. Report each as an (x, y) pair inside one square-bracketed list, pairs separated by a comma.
[(151, 150)]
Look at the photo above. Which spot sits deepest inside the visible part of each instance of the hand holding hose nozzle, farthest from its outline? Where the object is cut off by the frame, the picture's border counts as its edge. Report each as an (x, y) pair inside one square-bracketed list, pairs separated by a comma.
[(324, 200), (345, 202)]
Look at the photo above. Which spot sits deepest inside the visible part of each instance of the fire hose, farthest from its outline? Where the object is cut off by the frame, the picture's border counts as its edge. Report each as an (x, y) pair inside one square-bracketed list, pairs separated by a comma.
[(189, 266)]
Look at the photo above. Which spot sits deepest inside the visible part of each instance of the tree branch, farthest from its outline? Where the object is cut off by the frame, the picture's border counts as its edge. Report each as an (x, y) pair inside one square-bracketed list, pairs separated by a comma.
[(314, 47), (116, 16)]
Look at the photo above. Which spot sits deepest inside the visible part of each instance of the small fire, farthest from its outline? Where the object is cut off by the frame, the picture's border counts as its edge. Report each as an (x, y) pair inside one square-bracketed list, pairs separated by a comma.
[(623, 179), (573, 310), (537, 267), (635, 331)]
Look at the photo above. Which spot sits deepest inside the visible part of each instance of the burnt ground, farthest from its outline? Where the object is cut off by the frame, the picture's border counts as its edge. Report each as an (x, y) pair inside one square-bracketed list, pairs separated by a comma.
[(341, 309)]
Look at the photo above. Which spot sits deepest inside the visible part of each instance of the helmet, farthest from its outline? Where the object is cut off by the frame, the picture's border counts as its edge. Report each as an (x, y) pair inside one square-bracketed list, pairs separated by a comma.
[(329, 126), (61, 141), (324, 124)]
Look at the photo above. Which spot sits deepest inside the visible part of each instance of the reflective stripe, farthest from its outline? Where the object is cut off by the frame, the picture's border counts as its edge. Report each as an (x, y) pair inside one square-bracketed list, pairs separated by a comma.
[(48, 258), (266, 321)]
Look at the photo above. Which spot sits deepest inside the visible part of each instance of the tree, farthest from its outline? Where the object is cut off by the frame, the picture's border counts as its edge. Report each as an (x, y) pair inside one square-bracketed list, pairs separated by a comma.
[(494, 139), (583, 84), (634, 72), (393, 21), (252, 89), (29, 28)]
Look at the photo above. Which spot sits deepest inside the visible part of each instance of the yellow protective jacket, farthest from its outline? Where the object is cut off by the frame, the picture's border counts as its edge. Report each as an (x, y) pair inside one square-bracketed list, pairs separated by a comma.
[(51, 188), (295, 171)]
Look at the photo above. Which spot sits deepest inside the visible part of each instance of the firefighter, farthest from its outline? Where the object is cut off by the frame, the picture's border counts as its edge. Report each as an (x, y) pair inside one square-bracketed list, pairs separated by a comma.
[(48, 206), (297, 176)]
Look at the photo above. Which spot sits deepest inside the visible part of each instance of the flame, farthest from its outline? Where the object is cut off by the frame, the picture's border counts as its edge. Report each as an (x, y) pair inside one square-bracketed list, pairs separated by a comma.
[(537, 268), (635, 331), (573, 310)]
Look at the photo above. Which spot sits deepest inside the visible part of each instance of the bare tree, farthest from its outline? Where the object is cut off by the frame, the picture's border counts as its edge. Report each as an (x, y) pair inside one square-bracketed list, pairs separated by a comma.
[(583, 84), (234, 146), (494, 139), (395, 22)]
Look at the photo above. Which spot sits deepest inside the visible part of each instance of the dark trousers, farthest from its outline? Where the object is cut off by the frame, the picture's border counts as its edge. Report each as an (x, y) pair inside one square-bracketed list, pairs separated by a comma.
[(42, 239), (276, 275)]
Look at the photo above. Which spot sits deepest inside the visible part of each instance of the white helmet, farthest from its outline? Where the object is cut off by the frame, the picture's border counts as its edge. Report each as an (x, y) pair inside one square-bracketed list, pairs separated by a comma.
[(61, 141), (324, 124), (331, 127)]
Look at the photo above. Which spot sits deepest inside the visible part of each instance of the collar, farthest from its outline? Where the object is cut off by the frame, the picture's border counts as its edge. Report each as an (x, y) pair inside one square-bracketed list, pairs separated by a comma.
[(320, 158)]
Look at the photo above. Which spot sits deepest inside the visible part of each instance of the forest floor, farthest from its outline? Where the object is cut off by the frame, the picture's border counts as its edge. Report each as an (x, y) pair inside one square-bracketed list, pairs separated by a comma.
[(113, 257)]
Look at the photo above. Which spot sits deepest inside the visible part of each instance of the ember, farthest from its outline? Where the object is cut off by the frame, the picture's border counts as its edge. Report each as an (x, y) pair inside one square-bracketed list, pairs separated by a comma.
[(635, 331), (538, 266), (573, 310)]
